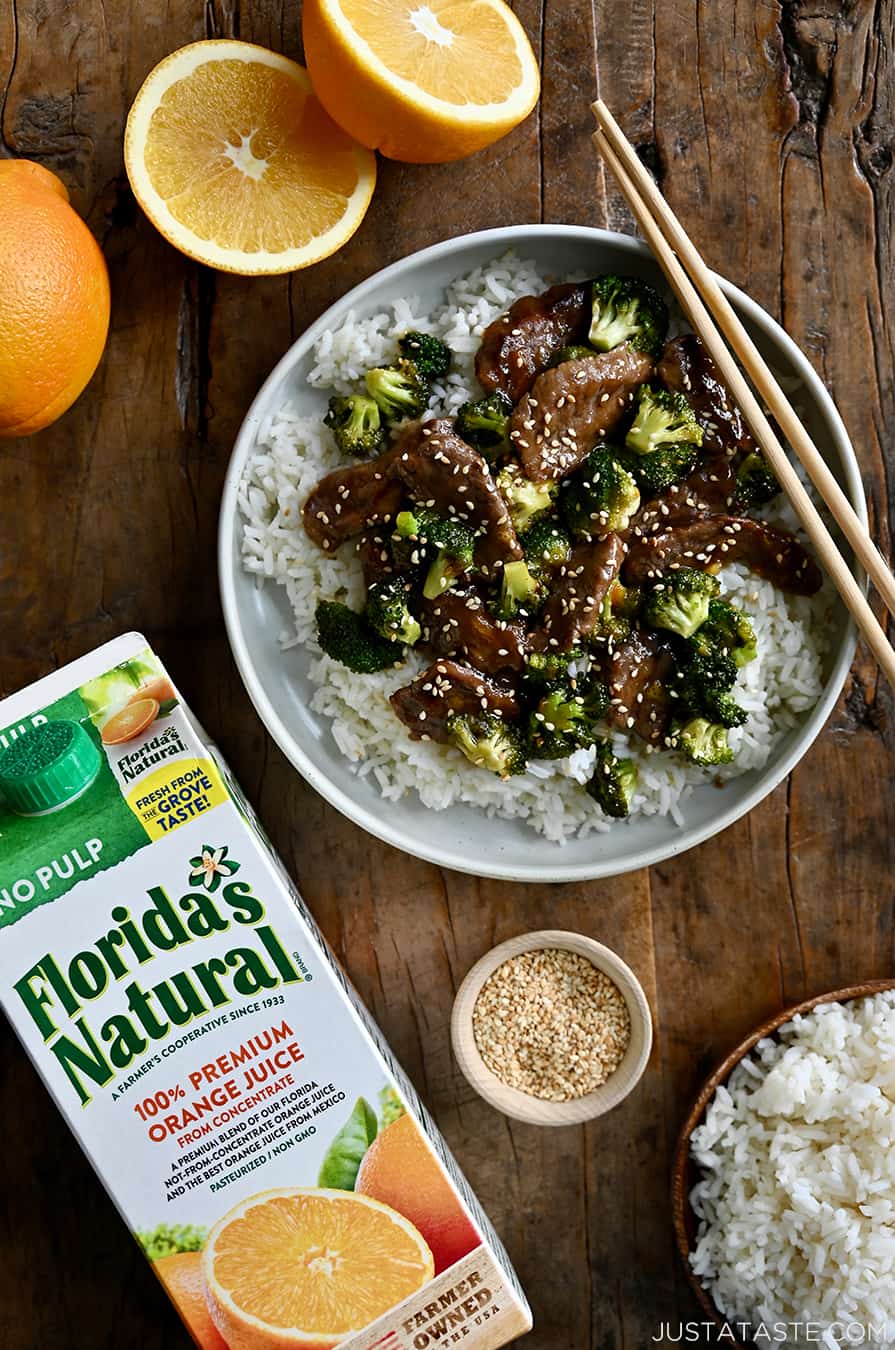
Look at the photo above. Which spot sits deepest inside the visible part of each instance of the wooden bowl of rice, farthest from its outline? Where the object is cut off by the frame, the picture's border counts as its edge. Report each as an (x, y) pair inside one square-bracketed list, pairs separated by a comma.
[(686, 1172), (556, 1043)]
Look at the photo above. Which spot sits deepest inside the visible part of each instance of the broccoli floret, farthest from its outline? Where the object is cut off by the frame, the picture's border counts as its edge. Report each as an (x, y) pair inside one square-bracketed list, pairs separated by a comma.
[(485, 424), (356, 424), (662, 418), (521, 593), (704, 672), (723, 708), (756, 484), (701, 741), (613, 783), (429, 354), (626, 309), (546, 546), (407, 549), (704, 683), (526, 501), (455, 544), (400, 390), (489, 742), (620, 606), (661, 469), (414, 524), (601, 497), (625, 600), (419, 522), (573, 353), (543, 668), (612, 626), (565, 718), (387, 611), (728, 630), (349, 639), (680, 601)]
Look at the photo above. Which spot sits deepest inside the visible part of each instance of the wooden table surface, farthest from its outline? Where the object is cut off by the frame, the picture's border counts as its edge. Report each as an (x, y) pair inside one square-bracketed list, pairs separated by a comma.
[(771, 130)]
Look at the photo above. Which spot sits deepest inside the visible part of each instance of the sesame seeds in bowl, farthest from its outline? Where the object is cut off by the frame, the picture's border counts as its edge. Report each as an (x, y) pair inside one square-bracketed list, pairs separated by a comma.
[(551, 1028)]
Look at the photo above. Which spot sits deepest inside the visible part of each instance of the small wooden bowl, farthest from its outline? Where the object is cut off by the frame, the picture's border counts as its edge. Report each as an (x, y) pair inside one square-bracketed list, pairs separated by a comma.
[(521, 1105), (685, 1173)]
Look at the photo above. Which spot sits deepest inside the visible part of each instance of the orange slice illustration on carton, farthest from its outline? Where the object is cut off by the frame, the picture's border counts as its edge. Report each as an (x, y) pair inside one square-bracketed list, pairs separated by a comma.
[(400, 1169), (181, 1274), (302, 1269), (158, 687), (127, 724)]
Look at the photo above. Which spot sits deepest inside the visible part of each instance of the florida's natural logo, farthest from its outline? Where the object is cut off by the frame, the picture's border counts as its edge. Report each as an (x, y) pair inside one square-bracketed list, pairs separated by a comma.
[(55, 992)]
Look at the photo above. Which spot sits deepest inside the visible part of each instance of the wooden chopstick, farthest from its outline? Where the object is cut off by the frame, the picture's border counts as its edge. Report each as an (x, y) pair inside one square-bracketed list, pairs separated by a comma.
[(762, 377), (652, 212)]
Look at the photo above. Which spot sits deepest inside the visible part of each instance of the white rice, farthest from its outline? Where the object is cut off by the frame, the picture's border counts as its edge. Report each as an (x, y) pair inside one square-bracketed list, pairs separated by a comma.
[(797, 1201), (294, 452)]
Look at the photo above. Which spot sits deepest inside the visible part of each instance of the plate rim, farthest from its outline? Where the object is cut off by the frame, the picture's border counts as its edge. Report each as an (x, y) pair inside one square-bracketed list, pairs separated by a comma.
[(498, 868)]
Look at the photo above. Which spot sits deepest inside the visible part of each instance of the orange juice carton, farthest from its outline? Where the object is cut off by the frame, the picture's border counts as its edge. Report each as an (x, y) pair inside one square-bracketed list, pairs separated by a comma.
[(233, 1094)]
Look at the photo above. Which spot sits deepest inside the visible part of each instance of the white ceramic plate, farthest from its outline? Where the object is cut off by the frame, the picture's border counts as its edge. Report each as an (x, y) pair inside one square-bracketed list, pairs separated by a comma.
[(463, 837)]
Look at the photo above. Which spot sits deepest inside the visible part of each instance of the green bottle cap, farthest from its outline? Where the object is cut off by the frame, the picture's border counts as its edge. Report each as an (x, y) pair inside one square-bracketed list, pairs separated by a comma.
[(47, 768)]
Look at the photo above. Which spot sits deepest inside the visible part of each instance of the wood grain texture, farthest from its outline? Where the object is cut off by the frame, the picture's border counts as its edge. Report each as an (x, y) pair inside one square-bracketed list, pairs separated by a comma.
[(771, 129)]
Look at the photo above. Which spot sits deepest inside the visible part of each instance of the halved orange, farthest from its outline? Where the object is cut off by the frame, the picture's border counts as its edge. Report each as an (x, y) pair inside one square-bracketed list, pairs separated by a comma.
[(233, 159), (127, 724), (400, 1169), (421, 80), (181, 1274), (158, 687), (301, 1269)]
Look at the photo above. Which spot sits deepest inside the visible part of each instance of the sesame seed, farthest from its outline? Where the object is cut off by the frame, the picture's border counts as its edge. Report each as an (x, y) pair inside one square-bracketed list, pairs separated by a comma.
[(550, 1024)]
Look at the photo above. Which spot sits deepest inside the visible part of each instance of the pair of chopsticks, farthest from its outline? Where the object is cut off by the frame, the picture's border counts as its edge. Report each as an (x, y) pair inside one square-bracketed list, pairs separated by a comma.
[(698, 293)]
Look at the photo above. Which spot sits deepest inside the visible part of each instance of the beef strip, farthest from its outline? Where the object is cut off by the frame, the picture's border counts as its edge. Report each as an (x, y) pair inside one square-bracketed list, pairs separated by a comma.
[(347, 500), (572, 406), (440, 470), (459, 622), (712, 484), (375, 555), (517, 346), (445, 689), (636, 671), (686, 368), (577, 592), (681, 504), (709, 541)]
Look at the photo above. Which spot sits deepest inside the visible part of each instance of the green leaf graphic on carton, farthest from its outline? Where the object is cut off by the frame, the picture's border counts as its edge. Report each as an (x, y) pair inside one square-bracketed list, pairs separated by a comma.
[(209, 866), (391, 1108), (169, 1239), (346, 1152)]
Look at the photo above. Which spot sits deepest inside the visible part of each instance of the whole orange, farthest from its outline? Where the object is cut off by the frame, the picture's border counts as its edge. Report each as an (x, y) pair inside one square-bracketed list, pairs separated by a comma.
[(399, 1169), (181, 1274), (54, 299)]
